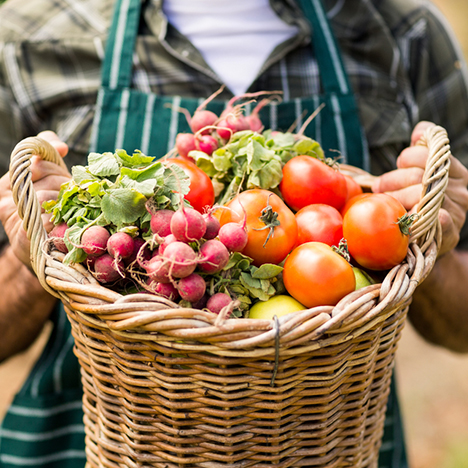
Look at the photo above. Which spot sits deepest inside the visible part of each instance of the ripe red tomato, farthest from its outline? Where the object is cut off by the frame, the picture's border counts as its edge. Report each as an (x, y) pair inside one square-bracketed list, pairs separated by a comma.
[(319, 223), (307, 180), (351, 200), (372, 229), (201, 194), (353, 187), (263, 245), (314, 274)]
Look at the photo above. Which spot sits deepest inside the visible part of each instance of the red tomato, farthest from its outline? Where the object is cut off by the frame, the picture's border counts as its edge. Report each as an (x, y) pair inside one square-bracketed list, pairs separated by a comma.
[(351, 200), (307, 180), (314, 274), (353, 187), (201, 194), (372, 229), (263, 245), (319, 223)]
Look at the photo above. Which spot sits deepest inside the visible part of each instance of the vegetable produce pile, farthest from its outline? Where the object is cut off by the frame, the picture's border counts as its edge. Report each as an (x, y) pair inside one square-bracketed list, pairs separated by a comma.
[(236, 216)]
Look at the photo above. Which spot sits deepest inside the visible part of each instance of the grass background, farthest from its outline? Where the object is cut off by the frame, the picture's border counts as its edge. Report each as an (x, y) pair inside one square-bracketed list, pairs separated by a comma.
[(433, 382)]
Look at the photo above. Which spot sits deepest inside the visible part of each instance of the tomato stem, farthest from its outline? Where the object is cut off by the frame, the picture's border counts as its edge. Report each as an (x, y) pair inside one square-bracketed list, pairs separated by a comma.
[(405, 223), (270, 219), (342, 249)]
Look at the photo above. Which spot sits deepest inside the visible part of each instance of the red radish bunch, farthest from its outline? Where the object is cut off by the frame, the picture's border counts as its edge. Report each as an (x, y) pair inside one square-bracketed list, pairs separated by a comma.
[(188, 255), (57, 235), (109, 256), (210, 131)]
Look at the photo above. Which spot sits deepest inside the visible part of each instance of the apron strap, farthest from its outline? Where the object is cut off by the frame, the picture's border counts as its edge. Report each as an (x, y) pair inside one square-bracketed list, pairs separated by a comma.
[(117, 66), (350, 137), (327, 52)]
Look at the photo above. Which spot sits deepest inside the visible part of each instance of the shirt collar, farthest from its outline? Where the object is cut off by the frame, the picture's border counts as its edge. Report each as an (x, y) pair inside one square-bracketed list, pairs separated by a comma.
[(179, 46)]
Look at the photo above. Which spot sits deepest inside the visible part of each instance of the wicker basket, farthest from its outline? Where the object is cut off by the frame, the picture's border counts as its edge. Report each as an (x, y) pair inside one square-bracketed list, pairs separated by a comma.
[(174, 387)]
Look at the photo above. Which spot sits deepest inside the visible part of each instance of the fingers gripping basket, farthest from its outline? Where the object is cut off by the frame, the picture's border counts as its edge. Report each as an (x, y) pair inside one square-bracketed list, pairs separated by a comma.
[(174, 387)]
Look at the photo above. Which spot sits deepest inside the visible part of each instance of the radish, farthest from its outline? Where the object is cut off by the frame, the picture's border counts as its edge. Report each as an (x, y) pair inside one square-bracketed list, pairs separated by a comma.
[(227, 126), (167, 240), (141, 252), (212, 226), (90, 263), (167, 290), (231, 123), (188, 225), (202, 118), (161, 222), (192, 287), (94, 240), (233, 120), (57, 235), (120, 245), (233, 236), (201, 303), (217, 302), (214, 256), (180, 259), (107, 269), (185, 142), (253, 119), (206, 143), (158, 270)]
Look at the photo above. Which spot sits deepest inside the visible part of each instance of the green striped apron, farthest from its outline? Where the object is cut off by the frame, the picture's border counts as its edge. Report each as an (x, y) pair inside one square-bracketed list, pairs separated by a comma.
[(130, 119), (43, 427)]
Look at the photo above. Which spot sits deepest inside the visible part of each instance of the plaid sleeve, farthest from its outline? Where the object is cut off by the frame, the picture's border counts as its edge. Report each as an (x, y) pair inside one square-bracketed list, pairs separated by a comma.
[(10, 127), (438, 74)]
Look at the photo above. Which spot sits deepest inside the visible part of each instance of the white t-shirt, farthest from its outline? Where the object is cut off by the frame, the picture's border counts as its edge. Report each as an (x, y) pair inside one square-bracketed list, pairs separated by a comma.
[(235, 37)]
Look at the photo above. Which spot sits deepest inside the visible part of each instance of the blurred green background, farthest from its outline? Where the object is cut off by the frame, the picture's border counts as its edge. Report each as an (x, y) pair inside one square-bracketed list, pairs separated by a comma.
[(433, 382)]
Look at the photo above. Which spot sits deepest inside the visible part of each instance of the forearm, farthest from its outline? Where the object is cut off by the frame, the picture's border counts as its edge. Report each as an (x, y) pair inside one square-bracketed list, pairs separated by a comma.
[(440, 304), (24, 305)]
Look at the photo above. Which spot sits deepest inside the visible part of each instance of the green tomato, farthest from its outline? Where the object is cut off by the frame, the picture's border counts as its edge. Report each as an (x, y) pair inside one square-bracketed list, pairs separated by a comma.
[(276, 305), (362, 278)]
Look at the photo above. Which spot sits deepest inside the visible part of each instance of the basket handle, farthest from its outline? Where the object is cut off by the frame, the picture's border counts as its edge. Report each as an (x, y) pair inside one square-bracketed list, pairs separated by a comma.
[(427, 226), (25, 198)]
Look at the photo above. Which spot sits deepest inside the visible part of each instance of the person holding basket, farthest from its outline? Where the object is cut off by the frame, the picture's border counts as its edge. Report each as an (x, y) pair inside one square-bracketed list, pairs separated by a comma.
[(94, 76)]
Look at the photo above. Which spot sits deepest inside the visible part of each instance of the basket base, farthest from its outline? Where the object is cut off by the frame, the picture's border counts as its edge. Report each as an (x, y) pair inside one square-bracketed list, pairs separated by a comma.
[(156, 404)]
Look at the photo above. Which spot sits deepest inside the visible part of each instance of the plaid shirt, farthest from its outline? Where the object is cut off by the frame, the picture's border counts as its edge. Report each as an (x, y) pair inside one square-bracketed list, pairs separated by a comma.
[(402, 62)]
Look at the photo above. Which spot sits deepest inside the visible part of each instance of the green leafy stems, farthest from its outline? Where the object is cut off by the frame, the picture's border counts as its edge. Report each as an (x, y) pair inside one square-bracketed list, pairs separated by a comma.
[(245, 282), (253, 160), (113, 191)]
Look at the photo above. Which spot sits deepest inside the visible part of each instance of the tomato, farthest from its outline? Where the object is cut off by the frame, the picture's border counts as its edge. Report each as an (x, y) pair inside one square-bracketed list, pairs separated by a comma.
[(276, 305), (353, 187), (315, 275), (201, 194), (372, 229), (307, 180), (264, 245), (351, 200), (319, 223)]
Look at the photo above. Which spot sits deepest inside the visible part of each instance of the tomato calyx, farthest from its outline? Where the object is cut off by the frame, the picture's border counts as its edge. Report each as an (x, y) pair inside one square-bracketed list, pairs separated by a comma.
[(405, 223), (270, 219), (331, 162), (342, 249)]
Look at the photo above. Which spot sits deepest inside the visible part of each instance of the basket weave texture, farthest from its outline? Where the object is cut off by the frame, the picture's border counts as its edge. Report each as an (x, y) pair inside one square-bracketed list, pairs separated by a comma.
[(168, 387)]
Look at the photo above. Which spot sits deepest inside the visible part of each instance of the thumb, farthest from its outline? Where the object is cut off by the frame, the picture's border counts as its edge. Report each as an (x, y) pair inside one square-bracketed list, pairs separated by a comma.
[(55, 141), (419, 130)]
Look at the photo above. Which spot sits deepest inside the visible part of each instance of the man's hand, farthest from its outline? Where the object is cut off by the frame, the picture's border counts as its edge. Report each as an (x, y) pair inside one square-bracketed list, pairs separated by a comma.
[(47, 178), (405, 184)]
